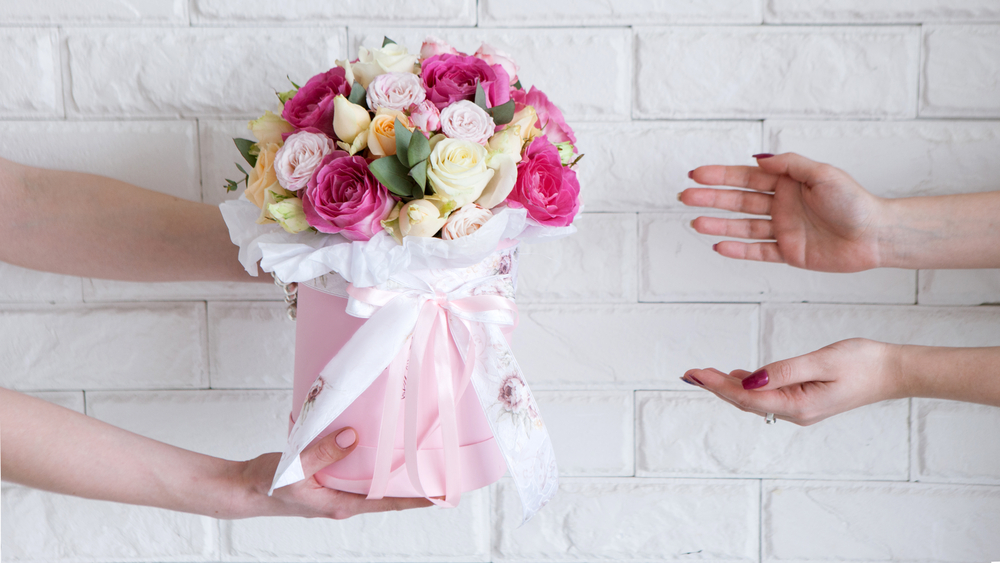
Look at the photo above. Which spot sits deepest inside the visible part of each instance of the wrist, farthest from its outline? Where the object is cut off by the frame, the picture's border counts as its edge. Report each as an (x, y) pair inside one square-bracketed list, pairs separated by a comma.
[(890, 249)]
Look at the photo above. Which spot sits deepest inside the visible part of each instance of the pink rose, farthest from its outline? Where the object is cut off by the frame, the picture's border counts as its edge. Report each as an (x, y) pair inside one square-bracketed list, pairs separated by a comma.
[(464, 221), (344, 197), (312, 105), (465, 120), (494, 56), (550, 119), (395, 90), (425, 116), (549, 191), (450, 78), (434, 46)]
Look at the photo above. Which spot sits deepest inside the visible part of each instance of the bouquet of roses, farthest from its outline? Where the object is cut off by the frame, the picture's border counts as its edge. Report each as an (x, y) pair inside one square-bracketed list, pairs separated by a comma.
[(396, 188), (418, 146)]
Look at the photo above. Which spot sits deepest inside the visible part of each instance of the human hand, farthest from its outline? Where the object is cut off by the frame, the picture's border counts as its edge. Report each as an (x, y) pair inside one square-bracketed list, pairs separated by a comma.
[(820, 218), (809, 388), (308, 498)]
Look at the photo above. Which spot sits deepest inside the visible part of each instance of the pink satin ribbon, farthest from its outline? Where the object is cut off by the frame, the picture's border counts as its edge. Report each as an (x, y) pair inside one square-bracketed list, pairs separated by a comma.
[(430, 338)]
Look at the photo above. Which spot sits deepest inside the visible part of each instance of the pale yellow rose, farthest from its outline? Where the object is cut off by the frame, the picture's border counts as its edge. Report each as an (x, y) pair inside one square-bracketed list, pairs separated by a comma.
[(457, 171), (262, 177), (506, 143), (348, 70), (501, 184), (373, 62), (420, 218), (526, 119), (391, 223), (269, 127), (382, 132), (289, 214), (349, 119)]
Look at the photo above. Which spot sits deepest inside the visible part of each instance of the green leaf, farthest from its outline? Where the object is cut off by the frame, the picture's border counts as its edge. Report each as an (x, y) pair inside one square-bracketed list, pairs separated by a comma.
[(518, 85), (419, 148), (503, 113), (297, 87), (419, 174), (242, 170), (387, 41), (244, 145), (403, 136), (393, 175), (481, 96), (231, 186), (358, 95)]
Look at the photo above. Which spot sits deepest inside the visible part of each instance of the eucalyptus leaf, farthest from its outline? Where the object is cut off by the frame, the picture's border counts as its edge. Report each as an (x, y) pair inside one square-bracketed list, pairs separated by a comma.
[(481, 96), (358, 95), (393, 175), (403, 136), (244, 146), (419, 174), (231, 186), (503, 113), (242, 170), (387, 41), (419, 149)]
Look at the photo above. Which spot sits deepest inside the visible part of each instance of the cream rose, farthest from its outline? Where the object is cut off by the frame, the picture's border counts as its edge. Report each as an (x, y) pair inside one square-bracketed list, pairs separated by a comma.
[(269, 127), (289, 214), (525, 119), (395, 90), (465, 221), (299, 157), (420, 218), (382, 132), (465, 120), (457, 170), (373, 62)]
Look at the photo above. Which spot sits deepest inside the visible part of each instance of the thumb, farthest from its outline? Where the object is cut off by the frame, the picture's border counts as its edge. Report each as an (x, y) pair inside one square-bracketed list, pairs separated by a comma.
[(794, 165), (781, 374), (330, 449)]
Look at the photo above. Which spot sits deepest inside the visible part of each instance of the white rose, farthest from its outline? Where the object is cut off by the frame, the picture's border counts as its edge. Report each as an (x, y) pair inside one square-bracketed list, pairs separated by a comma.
[(465, 221), (299, 157), (457, 171), (420, 218), (465, 120), (373, 62), (395, 90)]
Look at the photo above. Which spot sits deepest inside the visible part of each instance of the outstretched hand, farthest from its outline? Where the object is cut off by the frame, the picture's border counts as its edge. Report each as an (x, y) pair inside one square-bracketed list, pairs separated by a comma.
[(308, 497), (812, 387), (820, 218)]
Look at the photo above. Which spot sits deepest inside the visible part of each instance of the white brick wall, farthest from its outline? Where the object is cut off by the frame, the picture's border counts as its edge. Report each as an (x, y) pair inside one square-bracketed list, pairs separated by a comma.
[(904, 95)]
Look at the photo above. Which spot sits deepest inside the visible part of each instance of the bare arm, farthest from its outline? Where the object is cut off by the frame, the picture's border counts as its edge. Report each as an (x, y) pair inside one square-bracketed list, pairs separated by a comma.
[(48, 447), (93, 226)]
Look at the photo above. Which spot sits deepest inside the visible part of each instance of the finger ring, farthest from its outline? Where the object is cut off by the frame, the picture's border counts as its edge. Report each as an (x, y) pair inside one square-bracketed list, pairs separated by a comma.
[(769, 418)]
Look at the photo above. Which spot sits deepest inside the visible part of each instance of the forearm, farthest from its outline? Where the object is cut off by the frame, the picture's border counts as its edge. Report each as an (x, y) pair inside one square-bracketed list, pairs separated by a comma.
[(957, 231), (48, 447), (960, 374), (93, 226)]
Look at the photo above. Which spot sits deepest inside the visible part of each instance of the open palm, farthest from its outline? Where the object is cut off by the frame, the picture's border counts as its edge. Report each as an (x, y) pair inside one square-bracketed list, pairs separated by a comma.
[(820, 218)]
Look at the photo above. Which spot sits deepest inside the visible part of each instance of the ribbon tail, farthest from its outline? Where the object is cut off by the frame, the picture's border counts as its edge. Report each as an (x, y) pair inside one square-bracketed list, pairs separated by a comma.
[(387, 432), (345, 377), (443, 372)]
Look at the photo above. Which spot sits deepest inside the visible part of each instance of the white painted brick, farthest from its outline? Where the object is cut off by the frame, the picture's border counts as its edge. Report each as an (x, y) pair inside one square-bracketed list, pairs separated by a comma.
[(381, 12), (219, 155), (31, 286), (958, 287), (956, 442), (632, 520), (592, 431), (96, 291), (898, 159), (639, 346), (156, 155), (597, 264), (172, 72), (427, 534), (823, 521), (124, 347), (792, 330), (72, 400), (753, 72), (678, 264), (642, 166), (95, 12), (528, 13), (49, 528), (237, 425), (250, 345), (880, 11), (695, 434), (30, 74), (552, 60), (960, 71)]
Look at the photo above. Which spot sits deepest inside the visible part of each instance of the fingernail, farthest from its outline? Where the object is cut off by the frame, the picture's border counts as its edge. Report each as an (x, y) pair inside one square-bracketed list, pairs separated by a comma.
[(696, 380), (346, 438), (691, 174), (763, 155), (679, 196), (688, 381), (715, 247), (756, 380)]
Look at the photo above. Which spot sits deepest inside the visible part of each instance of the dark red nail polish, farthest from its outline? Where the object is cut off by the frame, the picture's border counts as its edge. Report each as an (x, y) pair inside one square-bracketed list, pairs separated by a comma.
[(763, 155), (691, 174), (715, 247), (696, 380), (756, 380)]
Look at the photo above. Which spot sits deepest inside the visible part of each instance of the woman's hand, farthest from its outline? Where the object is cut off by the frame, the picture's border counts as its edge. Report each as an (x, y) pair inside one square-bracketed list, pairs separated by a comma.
[(809, 388), (820, 218), (308, 497)]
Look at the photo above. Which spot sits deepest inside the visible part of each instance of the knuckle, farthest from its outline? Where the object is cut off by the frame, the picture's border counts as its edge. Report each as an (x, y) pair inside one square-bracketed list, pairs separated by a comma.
[(327, 451), (781, 373)]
